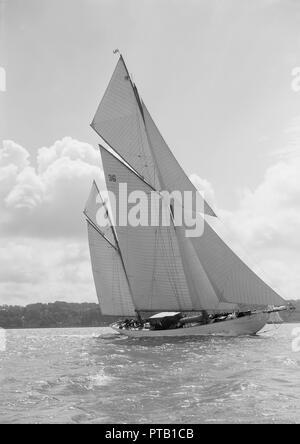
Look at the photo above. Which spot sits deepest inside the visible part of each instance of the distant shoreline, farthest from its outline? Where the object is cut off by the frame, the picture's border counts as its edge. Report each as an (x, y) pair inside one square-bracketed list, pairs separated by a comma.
[(53, 315), (74, 315)]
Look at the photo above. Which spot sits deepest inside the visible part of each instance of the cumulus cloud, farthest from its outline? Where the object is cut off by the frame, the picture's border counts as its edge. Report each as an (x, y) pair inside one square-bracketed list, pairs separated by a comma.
[(44, 254), (43, 270), (269, 216), (46, 200), (206, 189), (13, 154), (292, 146), (67, 148)]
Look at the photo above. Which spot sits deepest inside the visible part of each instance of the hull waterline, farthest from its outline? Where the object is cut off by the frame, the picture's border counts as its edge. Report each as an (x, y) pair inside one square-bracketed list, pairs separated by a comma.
[(247, 325)]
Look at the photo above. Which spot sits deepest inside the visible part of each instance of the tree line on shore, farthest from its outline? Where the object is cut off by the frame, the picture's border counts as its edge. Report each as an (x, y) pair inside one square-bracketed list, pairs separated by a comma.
[(52, 315), (65, 314)]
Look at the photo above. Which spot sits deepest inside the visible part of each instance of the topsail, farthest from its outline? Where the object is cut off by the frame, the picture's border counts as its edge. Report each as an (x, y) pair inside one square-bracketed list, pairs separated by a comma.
[(123, 121)]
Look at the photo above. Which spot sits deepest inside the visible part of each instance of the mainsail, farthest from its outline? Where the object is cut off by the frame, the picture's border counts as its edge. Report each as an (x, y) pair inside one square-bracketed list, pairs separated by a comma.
[(156, 268), (151, 254)]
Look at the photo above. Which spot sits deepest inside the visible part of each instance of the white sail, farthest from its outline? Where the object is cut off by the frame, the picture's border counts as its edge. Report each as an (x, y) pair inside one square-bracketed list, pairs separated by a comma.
[(125, 124), (156, 268), (201, 290), (231, 278), (151, 255), (96, 212), (174, 178), (110, 280), (119, 122)]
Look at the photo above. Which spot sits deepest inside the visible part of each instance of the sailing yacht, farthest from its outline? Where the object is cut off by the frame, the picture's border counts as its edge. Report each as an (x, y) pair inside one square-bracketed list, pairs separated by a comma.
[(171, 284)]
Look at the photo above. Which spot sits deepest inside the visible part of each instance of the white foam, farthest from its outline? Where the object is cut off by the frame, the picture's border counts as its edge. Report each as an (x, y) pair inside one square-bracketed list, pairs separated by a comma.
[(99, 380), (2, 340)]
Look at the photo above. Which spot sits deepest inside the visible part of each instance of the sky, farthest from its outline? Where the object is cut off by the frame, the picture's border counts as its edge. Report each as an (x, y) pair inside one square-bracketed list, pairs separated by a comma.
[(216, 76)]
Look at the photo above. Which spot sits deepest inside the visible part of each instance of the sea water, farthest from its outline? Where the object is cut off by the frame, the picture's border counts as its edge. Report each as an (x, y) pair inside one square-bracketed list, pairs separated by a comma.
[(92, 375)]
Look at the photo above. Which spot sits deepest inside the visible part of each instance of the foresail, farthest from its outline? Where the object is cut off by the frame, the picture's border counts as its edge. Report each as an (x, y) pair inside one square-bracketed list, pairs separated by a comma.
[(110, 280), (150, 253), (232, 279)]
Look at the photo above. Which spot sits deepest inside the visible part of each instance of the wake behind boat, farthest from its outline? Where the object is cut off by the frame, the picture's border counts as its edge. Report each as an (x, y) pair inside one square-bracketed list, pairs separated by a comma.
[(155, 272)]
